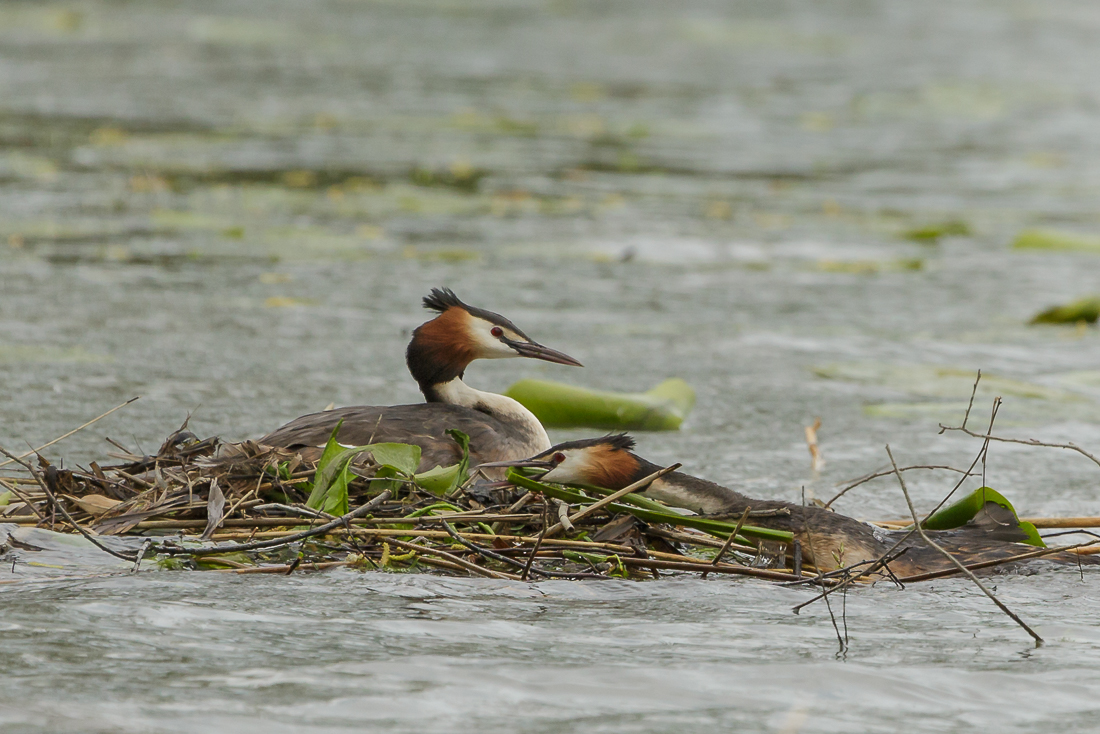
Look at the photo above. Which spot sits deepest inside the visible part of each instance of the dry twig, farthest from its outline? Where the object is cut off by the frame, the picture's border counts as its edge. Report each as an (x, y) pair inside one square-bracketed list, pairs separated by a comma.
[(963, 569)]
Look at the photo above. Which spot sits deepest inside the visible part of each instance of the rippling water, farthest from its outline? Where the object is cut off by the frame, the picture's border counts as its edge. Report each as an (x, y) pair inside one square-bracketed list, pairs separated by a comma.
[(234, 209)]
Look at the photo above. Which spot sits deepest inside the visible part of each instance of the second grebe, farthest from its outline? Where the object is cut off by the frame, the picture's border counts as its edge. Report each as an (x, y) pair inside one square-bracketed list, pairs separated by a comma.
[(499, 427), (829, 540)]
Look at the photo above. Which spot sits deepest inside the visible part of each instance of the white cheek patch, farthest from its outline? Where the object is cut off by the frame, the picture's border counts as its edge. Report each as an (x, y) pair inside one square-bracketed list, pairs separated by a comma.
[(489, 346), (570, 470)]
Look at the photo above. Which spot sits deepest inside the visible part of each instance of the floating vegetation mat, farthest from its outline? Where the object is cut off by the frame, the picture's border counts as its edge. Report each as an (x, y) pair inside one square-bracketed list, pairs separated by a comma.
[(248, 508), (204, 504)]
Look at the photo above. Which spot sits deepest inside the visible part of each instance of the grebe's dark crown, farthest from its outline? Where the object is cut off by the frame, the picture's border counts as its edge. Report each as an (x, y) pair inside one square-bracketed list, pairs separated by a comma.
[(441, 300), (619, 441)]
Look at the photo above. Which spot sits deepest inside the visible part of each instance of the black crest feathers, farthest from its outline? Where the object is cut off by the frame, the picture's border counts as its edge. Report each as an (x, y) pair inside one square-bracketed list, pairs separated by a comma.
[(441, 299), (620, 441)]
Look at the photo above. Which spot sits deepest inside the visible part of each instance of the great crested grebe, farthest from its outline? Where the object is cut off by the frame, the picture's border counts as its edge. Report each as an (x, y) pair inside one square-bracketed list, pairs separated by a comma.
[(499, 427), (829, 540)]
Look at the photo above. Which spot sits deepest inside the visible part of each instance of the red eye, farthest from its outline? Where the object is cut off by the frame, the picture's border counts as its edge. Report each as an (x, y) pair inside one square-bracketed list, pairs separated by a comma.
[(497, 332), (558, 458)]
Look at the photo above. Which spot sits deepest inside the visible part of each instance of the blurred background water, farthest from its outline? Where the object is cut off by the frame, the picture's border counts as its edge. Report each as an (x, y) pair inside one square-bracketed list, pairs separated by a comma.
[(804, 209)]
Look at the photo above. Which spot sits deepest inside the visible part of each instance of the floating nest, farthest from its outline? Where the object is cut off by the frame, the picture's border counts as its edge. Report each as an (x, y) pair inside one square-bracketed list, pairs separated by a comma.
[(249, 508), (204, 503)]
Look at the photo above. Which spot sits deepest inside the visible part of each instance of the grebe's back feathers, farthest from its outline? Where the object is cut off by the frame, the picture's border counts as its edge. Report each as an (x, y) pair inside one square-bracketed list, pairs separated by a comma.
[(423, 425)]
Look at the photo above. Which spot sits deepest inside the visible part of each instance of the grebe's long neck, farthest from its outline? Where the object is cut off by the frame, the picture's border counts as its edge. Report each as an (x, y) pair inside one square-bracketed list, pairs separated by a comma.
[(504, 409), (698, 495)]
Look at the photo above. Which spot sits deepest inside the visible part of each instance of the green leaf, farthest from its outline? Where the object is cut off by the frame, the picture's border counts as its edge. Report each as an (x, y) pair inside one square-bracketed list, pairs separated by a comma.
[(330, 482), (1083, 309), (933, 232), (432, 508), (464, 463), (403, 457), (443, 480), (336, 497), (663, 408), (440, 480), (326, 470), (960, 513), (581, 556), (5, 498), (1056, 239)]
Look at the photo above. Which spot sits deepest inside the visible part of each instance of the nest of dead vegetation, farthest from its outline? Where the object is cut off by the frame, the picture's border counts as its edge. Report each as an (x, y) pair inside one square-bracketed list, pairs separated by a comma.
[(202, 503)]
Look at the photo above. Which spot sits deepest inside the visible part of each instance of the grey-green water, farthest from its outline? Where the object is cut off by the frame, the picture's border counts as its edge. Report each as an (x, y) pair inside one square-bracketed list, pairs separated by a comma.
[(233, 209)]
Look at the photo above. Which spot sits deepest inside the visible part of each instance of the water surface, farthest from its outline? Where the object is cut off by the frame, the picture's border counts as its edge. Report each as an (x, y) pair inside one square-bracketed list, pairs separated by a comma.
[(233, 210)]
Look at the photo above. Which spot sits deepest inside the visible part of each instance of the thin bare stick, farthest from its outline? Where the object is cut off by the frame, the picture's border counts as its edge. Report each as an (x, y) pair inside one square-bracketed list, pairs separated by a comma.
[(24, 499), (955, 561), (1038, 553), (485, 551), (985, 445), (53, 499), (841, 641), (881, 562), (705, 567), (512, 561), (538, 541), (875, 475), (517, 505), (973, 392), (141, 554), (1063, 522), (304, 511), (981, 455), (1024, 441), (454, 559), (129, 454), (284, 568), (276, 542), (75, 430), (888, 473), (729, 541), (589, 509)]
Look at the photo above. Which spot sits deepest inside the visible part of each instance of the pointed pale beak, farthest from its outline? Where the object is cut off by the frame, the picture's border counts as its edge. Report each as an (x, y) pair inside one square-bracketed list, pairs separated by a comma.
[(537, 351)]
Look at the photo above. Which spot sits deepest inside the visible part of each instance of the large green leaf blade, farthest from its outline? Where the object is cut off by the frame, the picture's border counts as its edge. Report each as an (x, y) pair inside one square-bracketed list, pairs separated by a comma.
[(443, 480), (330, 482), (326, 469), (966, 509), (662, 408), (403, 457)]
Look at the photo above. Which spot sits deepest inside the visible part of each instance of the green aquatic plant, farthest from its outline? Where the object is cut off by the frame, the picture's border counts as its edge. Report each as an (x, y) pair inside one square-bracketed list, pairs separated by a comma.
[(1083, 309), (557, 405), (330, 481), (644, 509), (966, 509), (931, 233), (1054, 239), (396, 462), (442, 480)]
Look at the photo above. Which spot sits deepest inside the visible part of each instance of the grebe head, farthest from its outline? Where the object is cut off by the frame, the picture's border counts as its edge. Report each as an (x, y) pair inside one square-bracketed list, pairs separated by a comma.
[(442, 348), (602, 462)]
